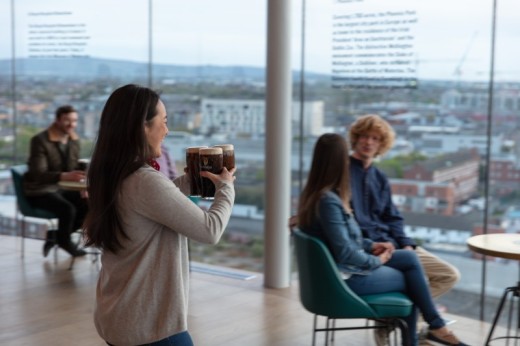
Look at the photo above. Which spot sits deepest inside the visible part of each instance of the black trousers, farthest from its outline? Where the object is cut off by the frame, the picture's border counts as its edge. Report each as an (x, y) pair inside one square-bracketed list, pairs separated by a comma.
[(68, 206)]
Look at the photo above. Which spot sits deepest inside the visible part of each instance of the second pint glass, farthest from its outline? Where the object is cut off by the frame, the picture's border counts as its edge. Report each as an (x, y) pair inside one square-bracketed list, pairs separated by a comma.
[(210, 160)]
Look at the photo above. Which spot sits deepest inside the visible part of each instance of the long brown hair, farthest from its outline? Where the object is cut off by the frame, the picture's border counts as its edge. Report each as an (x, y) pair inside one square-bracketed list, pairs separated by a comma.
[(121, 148), (329, 171)]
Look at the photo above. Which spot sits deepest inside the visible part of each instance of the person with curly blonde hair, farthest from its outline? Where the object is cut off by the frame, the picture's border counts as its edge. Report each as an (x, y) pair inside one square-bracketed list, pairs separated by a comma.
[(370, 137), (368, 267)]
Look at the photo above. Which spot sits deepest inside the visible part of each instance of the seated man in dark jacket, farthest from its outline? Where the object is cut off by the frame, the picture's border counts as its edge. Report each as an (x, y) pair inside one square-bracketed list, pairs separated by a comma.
[(54, 155), (371, 136)]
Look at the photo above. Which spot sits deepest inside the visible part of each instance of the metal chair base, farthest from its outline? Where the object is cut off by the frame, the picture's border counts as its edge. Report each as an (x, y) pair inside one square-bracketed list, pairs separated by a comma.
[(393, 323)]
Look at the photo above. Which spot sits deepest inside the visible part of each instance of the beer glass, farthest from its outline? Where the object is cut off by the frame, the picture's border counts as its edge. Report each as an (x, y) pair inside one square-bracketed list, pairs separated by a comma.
[(228, 154), (193, 165), (211, 160)]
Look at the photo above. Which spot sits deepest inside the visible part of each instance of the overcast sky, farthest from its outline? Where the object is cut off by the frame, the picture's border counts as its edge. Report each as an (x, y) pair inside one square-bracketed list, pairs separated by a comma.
[(449, 33)]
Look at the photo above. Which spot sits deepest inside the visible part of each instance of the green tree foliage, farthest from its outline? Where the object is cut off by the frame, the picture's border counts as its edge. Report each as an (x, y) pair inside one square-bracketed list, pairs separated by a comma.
[(394, 167)]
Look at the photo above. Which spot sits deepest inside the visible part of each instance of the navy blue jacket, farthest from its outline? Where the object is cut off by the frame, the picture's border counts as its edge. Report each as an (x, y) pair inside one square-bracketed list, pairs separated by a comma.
[(373, 208)]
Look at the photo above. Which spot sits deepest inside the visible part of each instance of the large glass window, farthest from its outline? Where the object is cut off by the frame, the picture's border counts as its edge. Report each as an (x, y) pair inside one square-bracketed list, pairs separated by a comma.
[(426, 68), (208, 61)]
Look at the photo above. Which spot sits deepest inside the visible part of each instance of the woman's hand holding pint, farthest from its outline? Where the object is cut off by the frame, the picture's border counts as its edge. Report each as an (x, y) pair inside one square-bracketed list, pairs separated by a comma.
[(225, 175)]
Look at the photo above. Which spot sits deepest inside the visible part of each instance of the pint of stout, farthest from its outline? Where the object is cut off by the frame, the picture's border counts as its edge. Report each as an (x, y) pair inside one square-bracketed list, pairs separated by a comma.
[(228, 154), (193, 165), (211, 160)]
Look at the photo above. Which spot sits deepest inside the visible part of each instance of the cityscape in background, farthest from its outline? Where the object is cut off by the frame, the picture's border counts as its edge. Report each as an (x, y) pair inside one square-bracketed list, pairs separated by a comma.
[(456, 156), (437, 166)]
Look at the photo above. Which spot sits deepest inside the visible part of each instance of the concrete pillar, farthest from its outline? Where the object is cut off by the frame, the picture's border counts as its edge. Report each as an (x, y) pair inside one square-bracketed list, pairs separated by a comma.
[(278, 145)]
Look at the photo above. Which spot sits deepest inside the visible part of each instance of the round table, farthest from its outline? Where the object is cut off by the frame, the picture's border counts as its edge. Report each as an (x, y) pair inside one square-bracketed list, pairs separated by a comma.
[(503, 245)]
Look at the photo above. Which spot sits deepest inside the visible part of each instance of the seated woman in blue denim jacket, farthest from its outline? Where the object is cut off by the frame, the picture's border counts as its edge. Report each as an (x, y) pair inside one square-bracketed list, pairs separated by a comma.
[(369, 267)]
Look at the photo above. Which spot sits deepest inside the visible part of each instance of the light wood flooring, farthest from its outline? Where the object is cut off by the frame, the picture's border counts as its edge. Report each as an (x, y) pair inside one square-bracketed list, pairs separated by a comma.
[(44, 303)]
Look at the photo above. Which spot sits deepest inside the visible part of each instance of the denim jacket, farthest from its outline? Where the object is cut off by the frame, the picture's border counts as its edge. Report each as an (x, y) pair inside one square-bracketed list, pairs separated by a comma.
[(342, 235)]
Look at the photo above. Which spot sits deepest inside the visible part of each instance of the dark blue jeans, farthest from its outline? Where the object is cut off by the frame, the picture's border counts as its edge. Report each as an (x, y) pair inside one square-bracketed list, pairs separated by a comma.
[(68, 206), (402, 273), (179, 339)]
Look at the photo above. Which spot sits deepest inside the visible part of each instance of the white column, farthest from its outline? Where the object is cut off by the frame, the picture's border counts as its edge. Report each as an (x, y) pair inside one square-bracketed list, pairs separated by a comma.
[(278, 145)]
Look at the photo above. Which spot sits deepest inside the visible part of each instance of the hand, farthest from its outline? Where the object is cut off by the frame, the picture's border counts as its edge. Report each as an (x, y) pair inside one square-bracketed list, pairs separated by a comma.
[(379, 248), (73, 176), (408, 247), (225, 175), (385, 256), (293, 221)]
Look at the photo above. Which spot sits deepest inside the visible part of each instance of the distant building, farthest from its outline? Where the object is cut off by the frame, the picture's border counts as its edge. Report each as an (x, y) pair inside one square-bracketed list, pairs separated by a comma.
[(511, 220), (243, 118), (504, 175), (440, 143), (438, 184), (423, 197), (505, 101), (431, 229)]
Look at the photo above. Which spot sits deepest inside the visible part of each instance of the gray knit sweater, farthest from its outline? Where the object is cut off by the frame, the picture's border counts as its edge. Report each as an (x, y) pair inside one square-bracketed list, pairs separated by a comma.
[(142, 292)]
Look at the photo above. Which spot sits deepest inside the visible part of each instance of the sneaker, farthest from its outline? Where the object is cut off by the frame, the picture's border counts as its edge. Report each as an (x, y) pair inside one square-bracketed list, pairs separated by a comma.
[(47, 247), (382, 335), (444, 336)]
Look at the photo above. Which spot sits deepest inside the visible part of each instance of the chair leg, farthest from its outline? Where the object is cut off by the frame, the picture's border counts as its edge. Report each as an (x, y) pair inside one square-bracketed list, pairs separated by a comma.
[(314, 330), (71, 265), (404, 331), (327, 332), (23, 237), (333, 320)]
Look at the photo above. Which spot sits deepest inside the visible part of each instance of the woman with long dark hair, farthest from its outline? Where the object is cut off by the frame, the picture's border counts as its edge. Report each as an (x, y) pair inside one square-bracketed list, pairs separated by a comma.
[(141, 220), (369, 267)]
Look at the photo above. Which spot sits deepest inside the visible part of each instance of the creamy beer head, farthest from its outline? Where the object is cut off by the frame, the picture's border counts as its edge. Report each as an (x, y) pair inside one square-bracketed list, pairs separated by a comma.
[(225, 147), (194, 150), (228, 151), (210, 160), (193, 165)]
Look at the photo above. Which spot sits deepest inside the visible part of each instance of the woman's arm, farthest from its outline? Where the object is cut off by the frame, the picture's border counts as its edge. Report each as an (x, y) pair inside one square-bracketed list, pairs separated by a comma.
[(160, 200), (341, 236)]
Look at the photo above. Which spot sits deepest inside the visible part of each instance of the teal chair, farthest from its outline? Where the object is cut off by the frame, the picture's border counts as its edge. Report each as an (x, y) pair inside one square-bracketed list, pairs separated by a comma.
[(323, 292), (25, 209)]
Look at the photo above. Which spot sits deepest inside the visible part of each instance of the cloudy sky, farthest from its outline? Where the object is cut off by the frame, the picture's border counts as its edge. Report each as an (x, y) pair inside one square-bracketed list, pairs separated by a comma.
[(450, 35)]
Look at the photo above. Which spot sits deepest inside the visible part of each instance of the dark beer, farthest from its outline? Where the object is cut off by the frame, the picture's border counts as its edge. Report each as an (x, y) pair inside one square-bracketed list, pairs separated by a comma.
[(211, 160), (193, 165), (228, 154)]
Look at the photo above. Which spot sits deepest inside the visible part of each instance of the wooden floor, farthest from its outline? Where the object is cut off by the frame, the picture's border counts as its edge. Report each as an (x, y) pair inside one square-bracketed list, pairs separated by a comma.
[(44, 303)]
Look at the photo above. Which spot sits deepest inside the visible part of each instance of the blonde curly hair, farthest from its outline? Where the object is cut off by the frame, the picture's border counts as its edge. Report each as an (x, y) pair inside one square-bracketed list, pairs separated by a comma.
[(369, 123)]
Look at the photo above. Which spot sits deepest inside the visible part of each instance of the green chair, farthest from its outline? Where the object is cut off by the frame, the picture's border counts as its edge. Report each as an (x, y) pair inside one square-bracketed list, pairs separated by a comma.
[(323, 292), (24, 207)]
